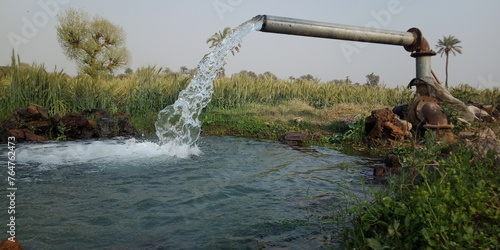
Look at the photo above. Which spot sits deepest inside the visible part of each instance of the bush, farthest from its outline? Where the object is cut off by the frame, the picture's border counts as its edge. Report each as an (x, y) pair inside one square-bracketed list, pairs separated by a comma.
[(452, 205)]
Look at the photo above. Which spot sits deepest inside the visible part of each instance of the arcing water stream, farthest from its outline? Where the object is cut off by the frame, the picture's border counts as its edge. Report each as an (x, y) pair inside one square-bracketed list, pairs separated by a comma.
[(178, 123)]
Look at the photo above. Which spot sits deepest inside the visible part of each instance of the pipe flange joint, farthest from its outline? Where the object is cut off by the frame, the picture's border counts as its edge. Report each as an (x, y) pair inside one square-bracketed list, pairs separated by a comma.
[(416, 43)]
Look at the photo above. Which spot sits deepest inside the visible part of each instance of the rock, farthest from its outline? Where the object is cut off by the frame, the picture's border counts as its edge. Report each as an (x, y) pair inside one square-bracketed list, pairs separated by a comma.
[(486, 132), (11, 244), (100, 113), (349, 121), (30, 136), (55, 119), (105, 127), (122, 116), (295, 138), (18, 133), (5, 127), (392, 161), (394, 131), (405, 124), (374, 123), (32, 110), (92, 123), (76, 126), (484, 141), (10, 123), (391, 166), (379, 171), (44, 112), (466, 135), (23, 114), (32, 113), (41, 126), (34, 124), (125, 128), (383, 124), (26, 134)]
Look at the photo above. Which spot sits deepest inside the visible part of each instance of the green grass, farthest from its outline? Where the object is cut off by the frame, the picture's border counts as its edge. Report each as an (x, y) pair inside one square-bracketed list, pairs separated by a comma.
[(149, 90), (452, 206)]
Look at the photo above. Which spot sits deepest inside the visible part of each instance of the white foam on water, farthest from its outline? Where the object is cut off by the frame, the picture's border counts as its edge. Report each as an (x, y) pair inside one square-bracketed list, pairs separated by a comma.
[(178, 123), (51, 155)]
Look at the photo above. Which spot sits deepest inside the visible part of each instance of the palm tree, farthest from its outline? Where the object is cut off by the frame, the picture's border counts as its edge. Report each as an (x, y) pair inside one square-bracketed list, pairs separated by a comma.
[(446, 45), (216, 38)]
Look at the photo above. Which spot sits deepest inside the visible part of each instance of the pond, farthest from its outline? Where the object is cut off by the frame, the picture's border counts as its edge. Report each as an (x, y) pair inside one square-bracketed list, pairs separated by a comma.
[(225, 193)]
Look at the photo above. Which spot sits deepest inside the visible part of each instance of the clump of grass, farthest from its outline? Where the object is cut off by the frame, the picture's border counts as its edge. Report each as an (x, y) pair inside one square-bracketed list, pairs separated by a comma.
[(242, 125), (349, 134)]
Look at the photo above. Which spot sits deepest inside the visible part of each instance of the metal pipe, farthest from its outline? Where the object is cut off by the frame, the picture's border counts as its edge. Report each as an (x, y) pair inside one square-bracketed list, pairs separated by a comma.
[(423, 67), (412, 40), (292, 26)]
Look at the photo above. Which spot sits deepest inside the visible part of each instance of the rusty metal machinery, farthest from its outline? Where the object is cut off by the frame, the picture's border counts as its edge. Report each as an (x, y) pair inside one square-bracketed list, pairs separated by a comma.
[(412, 40)]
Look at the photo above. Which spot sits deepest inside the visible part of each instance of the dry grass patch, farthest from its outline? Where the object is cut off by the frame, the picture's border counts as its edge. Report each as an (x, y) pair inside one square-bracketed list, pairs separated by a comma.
[(349, 110), (300, 109)]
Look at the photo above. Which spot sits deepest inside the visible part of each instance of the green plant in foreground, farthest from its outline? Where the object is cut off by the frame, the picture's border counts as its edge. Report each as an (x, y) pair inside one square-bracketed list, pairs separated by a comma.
[(450, 206), (352, 134), (61, 129)]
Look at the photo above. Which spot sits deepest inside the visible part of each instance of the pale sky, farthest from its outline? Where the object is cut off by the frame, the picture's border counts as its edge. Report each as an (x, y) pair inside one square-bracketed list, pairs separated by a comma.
[(173, 34)]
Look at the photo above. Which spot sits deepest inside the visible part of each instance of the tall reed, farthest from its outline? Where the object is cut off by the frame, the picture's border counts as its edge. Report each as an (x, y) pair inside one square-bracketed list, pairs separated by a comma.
[(241, 89), (148, 90)]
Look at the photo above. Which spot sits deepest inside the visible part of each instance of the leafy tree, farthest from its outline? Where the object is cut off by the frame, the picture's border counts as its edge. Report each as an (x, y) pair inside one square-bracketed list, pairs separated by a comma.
[(249, 74), (184, 70), (268, 76), (336, 81), (129, 71), (447, 45), (309, 77), (95, 44), (372, 79)]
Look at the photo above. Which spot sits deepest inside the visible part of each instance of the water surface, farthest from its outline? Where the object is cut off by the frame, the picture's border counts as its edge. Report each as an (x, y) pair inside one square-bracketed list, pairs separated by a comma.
[(226, 193)]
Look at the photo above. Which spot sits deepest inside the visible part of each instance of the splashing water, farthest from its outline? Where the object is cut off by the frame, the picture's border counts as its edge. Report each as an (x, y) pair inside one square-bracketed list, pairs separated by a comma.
[(178, 123)]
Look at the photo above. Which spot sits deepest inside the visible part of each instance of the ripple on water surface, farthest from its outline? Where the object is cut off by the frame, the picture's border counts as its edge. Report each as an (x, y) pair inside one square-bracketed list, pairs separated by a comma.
[(225, 192)]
